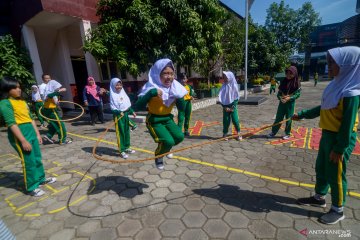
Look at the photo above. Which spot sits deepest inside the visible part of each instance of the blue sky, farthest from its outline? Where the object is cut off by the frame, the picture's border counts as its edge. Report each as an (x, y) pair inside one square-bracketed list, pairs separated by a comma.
[(331, 11)]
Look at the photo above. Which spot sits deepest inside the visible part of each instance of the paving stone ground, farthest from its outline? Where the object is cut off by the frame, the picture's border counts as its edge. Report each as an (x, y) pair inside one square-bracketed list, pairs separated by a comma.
[(211, 199)]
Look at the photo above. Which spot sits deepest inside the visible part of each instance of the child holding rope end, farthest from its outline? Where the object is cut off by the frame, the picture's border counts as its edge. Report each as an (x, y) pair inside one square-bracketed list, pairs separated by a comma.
[(160, 94), (23, 136), (121, 108), (339, 121)]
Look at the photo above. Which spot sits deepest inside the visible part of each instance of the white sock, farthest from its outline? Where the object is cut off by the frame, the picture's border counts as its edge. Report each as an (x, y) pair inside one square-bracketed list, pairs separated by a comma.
[(337, 209)]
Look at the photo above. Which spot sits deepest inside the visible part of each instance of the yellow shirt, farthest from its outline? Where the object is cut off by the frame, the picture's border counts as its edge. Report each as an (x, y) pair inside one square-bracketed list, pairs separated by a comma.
[(330, 119), (187, 96), (273, 82), (49, 103), (21, 111), (157, 107)]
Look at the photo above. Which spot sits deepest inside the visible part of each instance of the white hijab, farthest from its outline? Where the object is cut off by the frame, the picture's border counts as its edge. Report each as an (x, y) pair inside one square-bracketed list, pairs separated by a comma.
[(35, 96), (118, 100), (229, 91), (51, 86), (347, 82), (175, 91)]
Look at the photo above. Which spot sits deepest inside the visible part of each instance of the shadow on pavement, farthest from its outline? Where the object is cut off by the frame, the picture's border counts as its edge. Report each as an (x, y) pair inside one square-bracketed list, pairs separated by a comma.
[(254, 201), (106, 151), (14, 180)]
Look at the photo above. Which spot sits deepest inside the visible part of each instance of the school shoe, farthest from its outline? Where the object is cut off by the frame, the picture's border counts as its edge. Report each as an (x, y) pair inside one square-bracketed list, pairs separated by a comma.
[(286, 137), (271, 135), (43, 126), (67, 141), (133, 128), (170, 155), (46, 139), (224, 136), (36, 192), (332, 217), (159, 163), (48, 180), (124, 155), (312, 201), (239, 138), (129, 150)]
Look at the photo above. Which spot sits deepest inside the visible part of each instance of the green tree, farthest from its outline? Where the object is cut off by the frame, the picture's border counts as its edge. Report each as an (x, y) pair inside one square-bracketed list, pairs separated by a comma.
[(135, 33), (291, 27), (15, 62)]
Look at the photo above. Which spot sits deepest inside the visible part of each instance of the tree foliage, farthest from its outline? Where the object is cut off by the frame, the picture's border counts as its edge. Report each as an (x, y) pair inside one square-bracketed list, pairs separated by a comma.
[(291, 27), (15, 62), (135, 33)]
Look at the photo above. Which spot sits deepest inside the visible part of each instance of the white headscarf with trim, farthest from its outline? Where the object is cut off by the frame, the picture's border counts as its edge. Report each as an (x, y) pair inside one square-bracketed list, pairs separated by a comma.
[(347, 82), (118, 100), (35, 96), (175, 91), (51, 86), (229, 91)]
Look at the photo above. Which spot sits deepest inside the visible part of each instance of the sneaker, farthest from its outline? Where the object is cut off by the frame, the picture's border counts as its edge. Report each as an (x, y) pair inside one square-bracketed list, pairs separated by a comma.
[(170, 155), (48, 180), (46, 139), (36, 193), (133, 128), (286, 137), (186, 133), (271, 135), (129, 150), (124, 155), (239, 138), (43, 126), (332, 217), (159, 163), (67, 141), (312, 201), (224, 136)]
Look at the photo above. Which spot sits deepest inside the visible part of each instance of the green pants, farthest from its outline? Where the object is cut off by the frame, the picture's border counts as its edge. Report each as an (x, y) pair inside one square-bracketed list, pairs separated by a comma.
[(329, 174), (33, 168), (287, 110), (55, 126), (38, 105), (272, 89), (315, 82), (228, 117), (122, 128), (185, 116), (164, 131)]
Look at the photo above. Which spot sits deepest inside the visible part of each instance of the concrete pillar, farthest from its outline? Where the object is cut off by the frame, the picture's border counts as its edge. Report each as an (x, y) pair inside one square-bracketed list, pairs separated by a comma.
[(91, 65), (30, 43)]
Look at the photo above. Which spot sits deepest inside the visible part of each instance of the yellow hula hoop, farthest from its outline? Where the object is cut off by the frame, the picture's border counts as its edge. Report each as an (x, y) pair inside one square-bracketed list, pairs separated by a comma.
[(66, 120), (245, 135)]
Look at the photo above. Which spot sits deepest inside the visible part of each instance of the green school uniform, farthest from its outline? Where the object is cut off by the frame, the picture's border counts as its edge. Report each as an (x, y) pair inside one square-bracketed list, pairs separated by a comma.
[(184, 115), (122, 128), (50, 111), (16, 112), (160, 122), (231, 116), (339, 133), (38, 105), (285, 109)]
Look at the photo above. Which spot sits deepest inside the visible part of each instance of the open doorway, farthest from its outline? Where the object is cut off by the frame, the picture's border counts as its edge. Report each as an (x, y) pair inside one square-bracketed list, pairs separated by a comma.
[(81, 75)]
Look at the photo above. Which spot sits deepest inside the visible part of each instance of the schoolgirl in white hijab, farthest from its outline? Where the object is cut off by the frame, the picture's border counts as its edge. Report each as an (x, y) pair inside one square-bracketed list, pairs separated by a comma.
[(347, 82), (229, 91), (35, 93), (169, 94), (118, 100)]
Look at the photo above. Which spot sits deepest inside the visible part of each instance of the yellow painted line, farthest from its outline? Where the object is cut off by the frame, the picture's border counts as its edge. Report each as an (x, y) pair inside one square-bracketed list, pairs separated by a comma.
[(275, 179), (57, 210), (13, 195), (51, 188)]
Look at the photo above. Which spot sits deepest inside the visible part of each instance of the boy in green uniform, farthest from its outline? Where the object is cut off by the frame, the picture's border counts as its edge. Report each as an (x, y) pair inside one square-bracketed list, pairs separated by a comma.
[(273, 83), (289, 91), (23, 136), (121, 108), (185, 116), (316, 77), (229, 98), (339, 120), (160, 94), (51, 93)]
